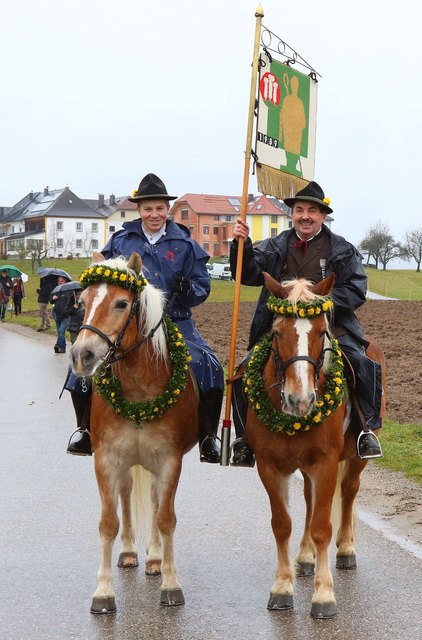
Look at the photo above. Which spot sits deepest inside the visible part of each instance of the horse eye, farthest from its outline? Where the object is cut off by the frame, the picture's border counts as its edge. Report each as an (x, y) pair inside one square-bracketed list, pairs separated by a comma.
[(121, 304)]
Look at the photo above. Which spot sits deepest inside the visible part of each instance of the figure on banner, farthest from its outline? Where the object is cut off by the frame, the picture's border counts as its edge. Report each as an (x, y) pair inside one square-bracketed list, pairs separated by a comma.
[(292, 124)]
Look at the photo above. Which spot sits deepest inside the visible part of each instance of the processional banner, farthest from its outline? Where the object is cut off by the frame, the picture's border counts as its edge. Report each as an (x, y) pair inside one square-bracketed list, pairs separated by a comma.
[(286, 128)]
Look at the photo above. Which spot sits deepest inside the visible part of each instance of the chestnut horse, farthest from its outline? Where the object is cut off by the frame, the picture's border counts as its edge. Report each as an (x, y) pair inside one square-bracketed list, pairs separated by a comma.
[(297, 388), (124, 344)]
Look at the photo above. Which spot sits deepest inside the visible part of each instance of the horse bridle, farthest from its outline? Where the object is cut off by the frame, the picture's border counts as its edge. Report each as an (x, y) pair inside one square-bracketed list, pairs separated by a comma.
[(281, 366), (111, 357)]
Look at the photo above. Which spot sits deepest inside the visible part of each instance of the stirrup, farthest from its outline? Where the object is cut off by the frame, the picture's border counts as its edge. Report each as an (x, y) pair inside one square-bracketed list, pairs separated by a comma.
[(74, 451), (204, 457), (233, 452), (374, 451)]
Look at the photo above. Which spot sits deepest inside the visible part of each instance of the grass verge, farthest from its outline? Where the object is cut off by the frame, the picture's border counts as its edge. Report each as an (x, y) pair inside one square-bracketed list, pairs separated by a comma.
[(402, 449)]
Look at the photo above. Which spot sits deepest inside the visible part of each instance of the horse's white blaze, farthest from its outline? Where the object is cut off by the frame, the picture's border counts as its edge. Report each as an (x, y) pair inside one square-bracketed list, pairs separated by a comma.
[(99, 297), (303, 327)]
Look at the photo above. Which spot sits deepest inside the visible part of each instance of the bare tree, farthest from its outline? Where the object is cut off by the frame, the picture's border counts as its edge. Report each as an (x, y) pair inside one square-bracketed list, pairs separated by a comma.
[(414, 246), (380, 244), (20, 248)]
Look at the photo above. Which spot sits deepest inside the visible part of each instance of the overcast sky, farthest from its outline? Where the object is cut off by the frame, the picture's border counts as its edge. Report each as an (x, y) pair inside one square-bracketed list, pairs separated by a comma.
[(95, 94)]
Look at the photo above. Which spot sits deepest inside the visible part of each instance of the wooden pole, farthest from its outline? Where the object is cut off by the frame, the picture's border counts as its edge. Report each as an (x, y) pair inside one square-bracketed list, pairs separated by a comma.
[(225, 435)]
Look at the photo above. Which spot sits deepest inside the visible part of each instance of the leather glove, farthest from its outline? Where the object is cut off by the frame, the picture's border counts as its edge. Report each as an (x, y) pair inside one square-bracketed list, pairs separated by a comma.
[(181, 285)]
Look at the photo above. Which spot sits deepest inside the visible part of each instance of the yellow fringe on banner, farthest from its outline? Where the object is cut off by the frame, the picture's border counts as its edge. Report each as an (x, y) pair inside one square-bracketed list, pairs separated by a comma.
[(273, 182)]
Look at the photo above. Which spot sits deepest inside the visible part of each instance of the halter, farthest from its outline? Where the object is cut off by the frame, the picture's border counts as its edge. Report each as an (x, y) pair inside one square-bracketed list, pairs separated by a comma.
[(111, 357), (281, 366)]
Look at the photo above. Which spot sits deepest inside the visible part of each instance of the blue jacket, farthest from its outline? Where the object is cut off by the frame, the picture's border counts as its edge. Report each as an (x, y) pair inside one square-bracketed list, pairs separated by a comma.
[(174, 252)]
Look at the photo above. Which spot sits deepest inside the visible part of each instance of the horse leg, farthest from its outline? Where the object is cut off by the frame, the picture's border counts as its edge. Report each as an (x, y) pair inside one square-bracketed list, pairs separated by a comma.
[(305, 560), (103, 600), (171, 590), (324, 483), (350, 482), (153, 561), (276, 485), (128, 556)]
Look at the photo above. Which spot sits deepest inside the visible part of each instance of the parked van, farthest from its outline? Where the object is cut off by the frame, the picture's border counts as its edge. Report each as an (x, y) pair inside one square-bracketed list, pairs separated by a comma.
[(220, 270)]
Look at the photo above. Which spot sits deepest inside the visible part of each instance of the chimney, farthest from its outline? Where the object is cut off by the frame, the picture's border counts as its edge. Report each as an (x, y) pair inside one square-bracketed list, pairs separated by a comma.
[(46, 191), (112, 200), (100, 199), (250, 197)]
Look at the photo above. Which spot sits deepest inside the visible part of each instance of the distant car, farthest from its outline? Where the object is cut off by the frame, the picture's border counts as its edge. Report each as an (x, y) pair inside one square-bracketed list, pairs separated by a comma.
[(220, 271)]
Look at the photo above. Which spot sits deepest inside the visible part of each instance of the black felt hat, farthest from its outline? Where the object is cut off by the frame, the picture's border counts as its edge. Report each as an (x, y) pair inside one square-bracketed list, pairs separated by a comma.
[(151, 188), (311, 193)]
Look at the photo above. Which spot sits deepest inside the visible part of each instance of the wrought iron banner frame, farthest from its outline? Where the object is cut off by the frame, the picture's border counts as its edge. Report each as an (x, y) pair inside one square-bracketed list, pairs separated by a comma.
[(286, 119)]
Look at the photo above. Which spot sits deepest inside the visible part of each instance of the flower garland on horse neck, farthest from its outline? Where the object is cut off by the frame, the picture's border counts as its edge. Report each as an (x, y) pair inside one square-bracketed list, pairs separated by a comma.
[(109, 387), (332, 392)]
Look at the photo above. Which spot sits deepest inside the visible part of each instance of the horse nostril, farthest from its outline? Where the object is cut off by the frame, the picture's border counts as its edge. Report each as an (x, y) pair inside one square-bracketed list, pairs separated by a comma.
[(87, 358)]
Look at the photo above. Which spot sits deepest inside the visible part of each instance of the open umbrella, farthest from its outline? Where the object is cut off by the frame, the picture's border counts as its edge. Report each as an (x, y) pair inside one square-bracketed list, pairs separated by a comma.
[(14, 272), (67, 287), (45, 272)]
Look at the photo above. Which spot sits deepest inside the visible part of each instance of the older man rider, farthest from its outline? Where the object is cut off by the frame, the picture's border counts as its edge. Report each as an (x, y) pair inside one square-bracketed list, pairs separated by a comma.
[(310, 250)]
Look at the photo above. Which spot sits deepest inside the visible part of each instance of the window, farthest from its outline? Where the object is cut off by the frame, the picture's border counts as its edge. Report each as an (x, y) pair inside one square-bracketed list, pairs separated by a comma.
[(216, 217), (59, 226), (94, 244), (95, 227), (274, 219), (229, 218), (191, 229), (123, 214), (79, 226), (112, 228), (216, 231), (216, 248), (206, 246), (206, 229), (79, 244), (290, 224), (60, 243), (273, 232), (185, 214), (259, 207)]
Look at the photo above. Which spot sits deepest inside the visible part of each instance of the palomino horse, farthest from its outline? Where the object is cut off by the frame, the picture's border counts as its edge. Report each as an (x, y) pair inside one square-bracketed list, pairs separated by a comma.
[(143, 394), (297, 412)]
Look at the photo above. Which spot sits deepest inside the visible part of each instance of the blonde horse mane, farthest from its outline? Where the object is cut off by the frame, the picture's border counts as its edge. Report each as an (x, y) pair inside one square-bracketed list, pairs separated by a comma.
[(151, 307), (300, 291)]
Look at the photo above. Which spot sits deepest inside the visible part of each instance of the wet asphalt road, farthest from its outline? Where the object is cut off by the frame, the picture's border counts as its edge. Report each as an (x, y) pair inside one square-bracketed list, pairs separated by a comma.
[(49, 546)]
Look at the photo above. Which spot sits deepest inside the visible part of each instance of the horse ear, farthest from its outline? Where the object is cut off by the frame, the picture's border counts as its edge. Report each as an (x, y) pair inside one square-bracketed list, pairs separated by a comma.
[(97, 256), (273, 286), (135, 262), (325, 287)]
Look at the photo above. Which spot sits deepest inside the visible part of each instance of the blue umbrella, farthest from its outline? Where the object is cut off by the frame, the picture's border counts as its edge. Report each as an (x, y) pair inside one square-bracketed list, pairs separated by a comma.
[(44, 273)]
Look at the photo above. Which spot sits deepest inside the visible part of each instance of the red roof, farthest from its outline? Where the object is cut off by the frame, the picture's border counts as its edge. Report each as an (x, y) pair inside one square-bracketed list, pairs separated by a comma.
[(228, 205)]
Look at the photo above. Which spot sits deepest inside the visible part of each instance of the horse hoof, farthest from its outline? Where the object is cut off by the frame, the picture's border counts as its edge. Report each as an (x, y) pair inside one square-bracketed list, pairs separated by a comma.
[(153, 568), (103, 605), (279, 602), (172, 597), (346, 562), (305, 569), (128, 559), (324, 611)]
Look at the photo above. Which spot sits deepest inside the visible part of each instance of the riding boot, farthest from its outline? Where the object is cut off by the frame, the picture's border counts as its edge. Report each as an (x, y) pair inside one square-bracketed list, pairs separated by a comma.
[(367, 444), (209, 417), (80, 440), (243, 456)]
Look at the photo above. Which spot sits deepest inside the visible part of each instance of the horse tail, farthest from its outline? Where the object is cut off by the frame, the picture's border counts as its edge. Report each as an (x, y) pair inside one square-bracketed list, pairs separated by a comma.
[(336, 508), (140, 501)]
